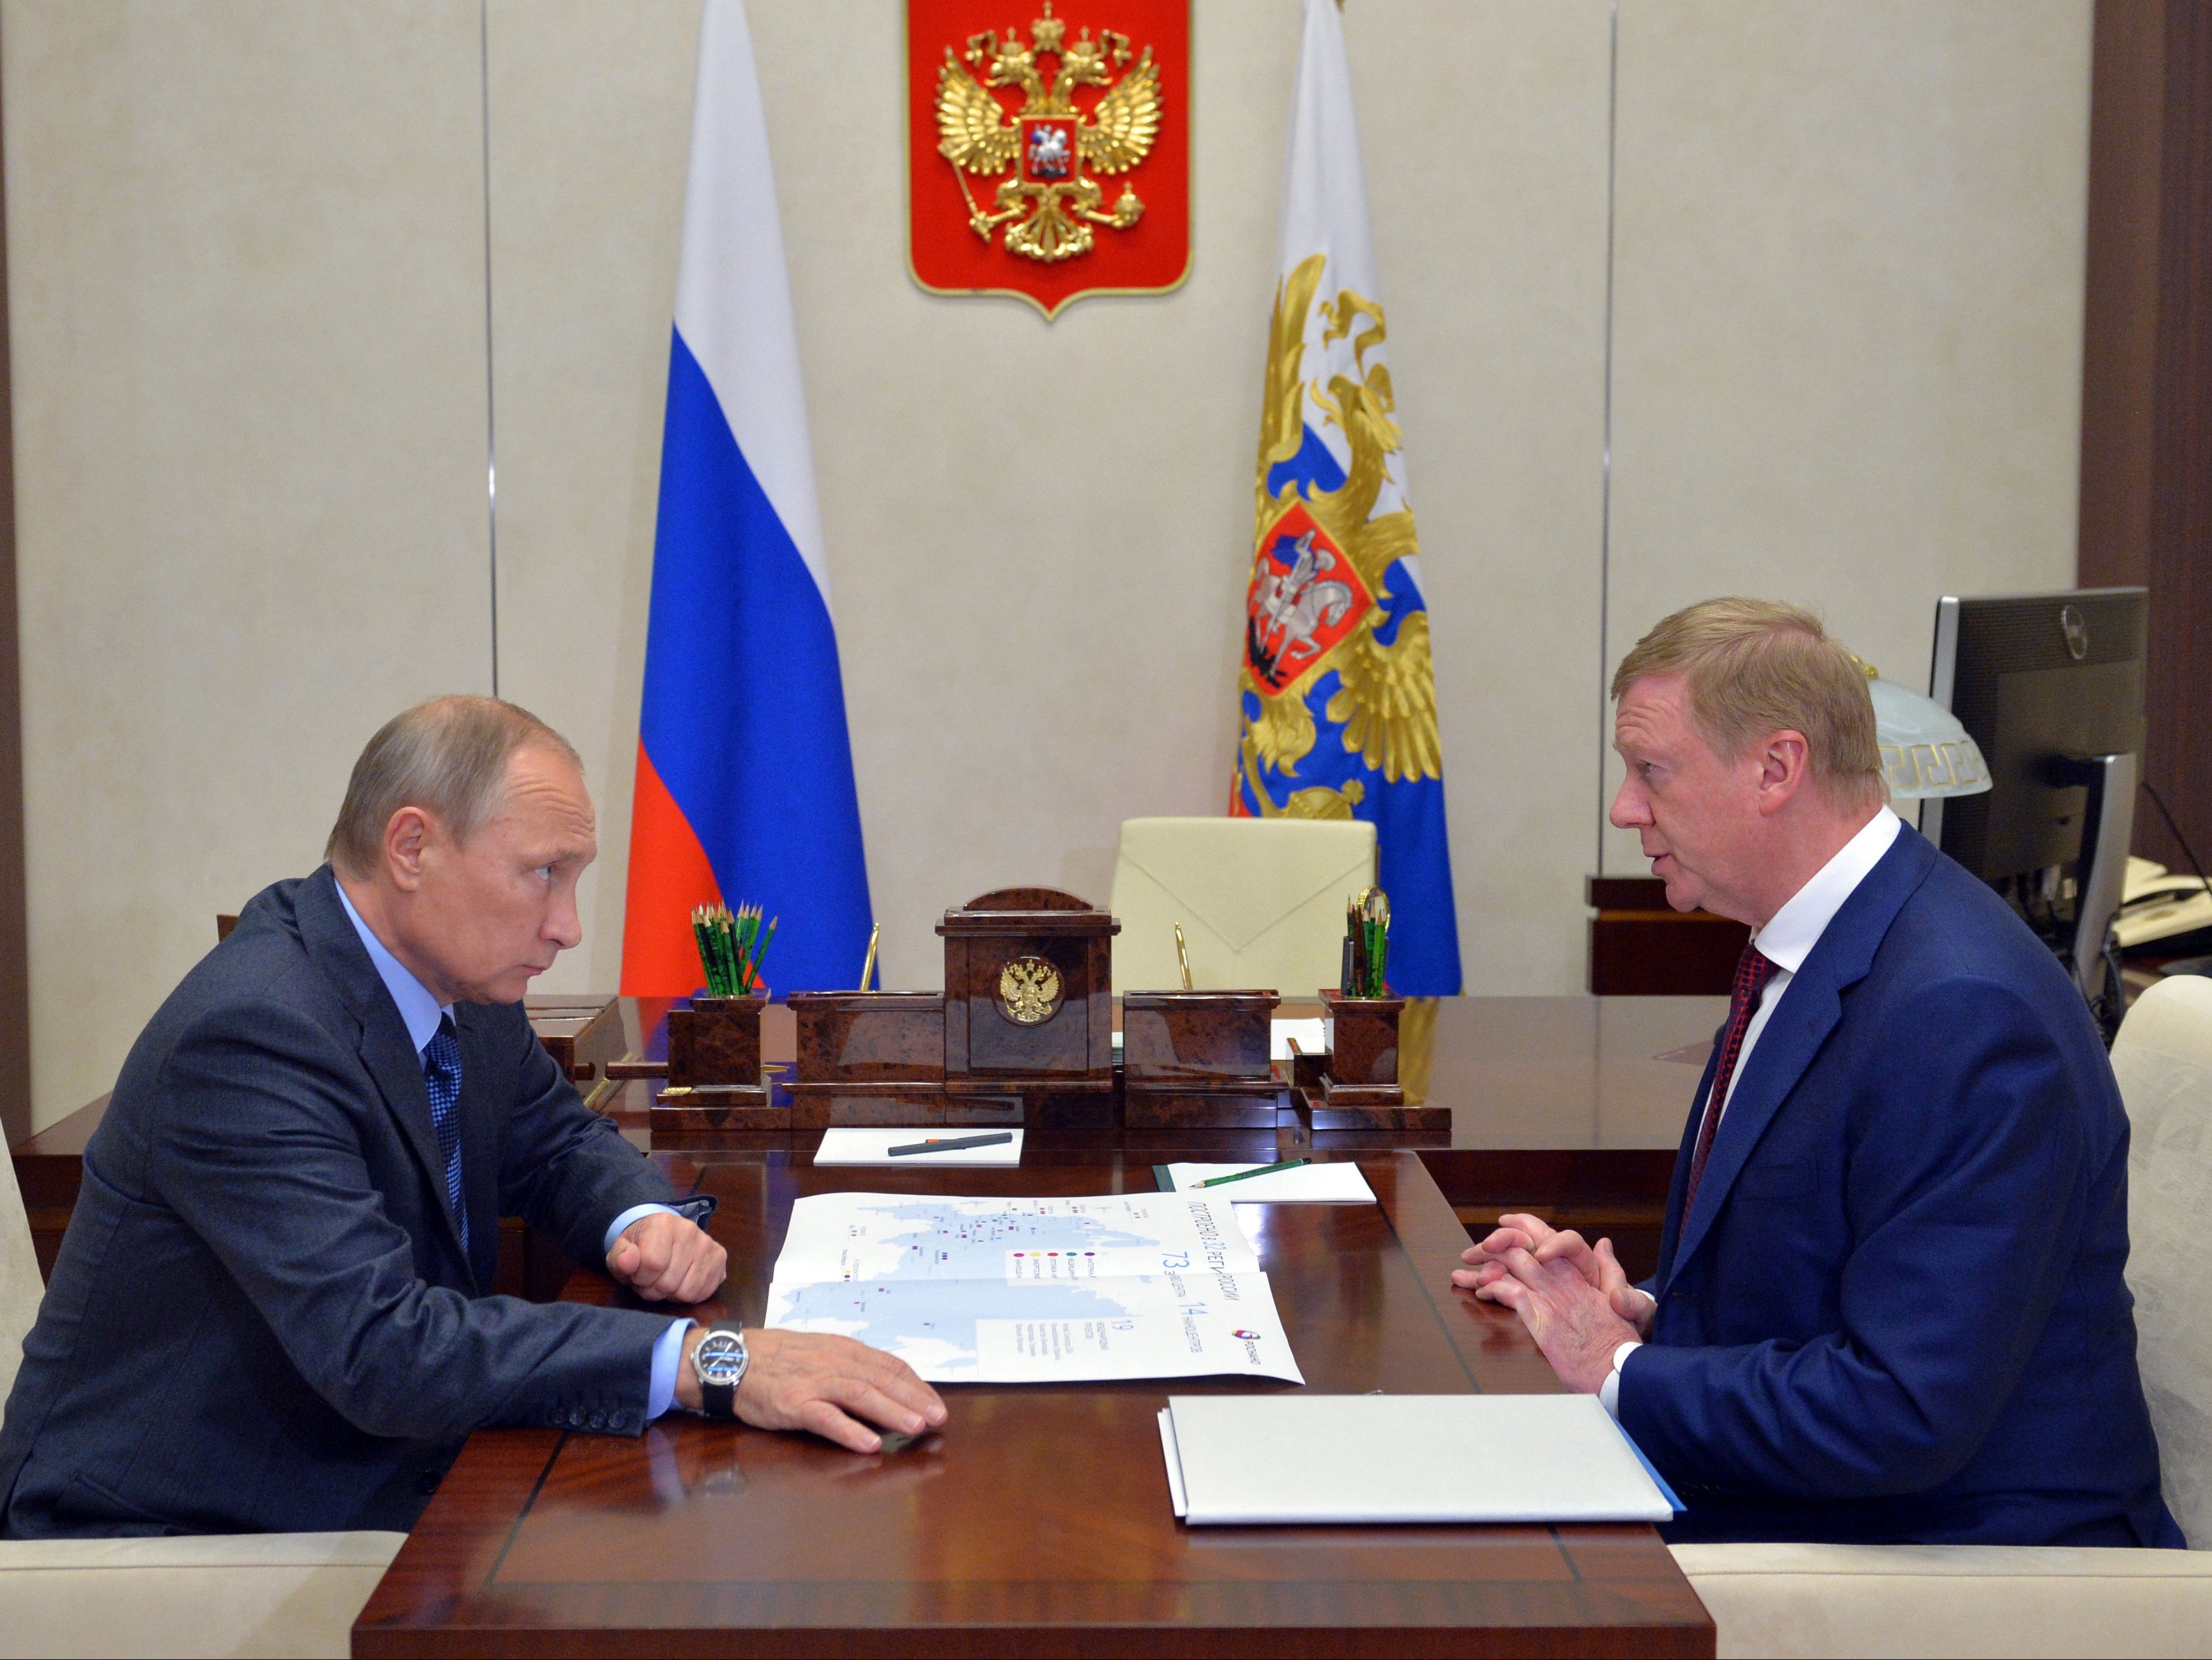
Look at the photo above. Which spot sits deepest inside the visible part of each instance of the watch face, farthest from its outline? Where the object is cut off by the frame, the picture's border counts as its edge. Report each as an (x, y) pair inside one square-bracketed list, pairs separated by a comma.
[(719, 1357)]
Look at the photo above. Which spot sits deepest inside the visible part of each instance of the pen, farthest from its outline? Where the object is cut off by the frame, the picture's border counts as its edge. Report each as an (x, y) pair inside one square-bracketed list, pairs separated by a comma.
[(957, 1141), (1243, 1175)]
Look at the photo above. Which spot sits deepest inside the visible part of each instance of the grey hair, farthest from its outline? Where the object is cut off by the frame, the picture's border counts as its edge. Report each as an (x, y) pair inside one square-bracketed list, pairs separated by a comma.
[(448, 757)]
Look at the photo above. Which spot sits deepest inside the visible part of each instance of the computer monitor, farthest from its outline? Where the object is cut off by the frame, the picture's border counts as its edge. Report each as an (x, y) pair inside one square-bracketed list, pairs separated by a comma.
[(2050, 686)]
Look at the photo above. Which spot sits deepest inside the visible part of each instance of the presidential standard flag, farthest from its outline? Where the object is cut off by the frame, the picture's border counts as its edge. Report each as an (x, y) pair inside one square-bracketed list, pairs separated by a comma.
[(1337, 700), (744, 772)]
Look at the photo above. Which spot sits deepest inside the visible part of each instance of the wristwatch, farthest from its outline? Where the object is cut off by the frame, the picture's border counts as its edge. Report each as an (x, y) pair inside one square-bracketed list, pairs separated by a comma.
[(719, 1363)]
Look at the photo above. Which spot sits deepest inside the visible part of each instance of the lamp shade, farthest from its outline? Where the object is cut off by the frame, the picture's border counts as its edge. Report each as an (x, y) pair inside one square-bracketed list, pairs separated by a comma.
[(1925, 752)]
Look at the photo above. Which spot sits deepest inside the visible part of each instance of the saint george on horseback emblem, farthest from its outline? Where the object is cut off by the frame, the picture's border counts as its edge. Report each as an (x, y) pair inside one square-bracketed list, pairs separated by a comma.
[(1059, 151), (1305, 596)]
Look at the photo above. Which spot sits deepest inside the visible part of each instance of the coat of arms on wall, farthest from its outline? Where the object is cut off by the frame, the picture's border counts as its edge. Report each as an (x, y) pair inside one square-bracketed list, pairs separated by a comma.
[(1048, 157)]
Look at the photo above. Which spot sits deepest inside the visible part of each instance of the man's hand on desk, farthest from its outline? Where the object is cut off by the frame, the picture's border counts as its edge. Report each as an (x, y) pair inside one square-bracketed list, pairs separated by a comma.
[(664, 1258), (1487, 1263), (801, 1381), (1576, 1324)]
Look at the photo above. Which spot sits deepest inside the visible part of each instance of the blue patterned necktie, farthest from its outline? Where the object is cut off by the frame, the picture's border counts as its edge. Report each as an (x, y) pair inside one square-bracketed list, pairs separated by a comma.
[(441, 1076)]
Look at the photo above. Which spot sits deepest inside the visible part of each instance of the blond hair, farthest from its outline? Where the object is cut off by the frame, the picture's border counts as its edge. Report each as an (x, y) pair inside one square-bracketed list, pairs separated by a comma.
[(1755, 667), (447, 757)]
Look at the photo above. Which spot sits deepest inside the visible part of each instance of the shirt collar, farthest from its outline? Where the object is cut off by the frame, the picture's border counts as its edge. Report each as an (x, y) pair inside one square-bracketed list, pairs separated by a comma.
[(417, 1007), (1789, 938)]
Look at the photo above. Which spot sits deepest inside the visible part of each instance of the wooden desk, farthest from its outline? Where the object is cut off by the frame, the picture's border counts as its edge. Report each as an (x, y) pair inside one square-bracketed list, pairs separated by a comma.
[(1039, 1521)]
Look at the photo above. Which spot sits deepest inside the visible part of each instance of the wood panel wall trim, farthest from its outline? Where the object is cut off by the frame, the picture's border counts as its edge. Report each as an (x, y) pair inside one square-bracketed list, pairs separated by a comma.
[(15, 937), (2146, 499)]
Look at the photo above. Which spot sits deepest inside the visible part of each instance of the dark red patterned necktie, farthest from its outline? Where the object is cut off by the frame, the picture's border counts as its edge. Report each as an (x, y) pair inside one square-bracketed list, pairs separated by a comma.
[(1752, 972)]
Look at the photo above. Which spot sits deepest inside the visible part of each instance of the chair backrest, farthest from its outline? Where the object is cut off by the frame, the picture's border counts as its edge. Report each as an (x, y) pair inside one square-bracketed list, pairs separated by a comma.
[(1260, 901), (2163, 1060), (22, 1286)]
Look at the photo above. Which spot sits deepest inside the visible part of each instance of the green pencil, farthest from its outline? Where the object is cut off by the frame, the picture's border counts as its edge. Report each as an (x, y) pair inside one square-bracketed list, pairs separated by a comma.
[(1247, 1175)]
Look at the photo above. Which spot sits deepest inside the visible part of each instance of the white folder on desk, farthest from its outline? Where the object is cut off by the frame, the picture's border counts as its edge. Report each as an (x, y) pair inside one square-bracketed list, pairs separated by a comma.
[(1245, 1460)]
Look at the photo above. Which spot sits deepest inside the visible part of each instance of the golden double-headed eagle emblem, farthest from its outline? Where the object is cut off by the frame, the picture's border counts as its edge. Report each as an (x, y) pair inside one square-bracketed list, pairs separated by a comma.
[(1050, 201), (1028, 990)]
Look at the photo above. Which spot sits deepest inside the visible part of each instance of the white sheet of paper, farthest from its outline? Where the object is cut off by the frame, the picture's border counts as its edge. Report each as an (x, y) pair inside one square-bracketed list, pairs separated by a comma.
[(1330, 1182), (872, 1146), (1312, 1038), (1403, 1458), (1175, 1463), (1048, 1290)]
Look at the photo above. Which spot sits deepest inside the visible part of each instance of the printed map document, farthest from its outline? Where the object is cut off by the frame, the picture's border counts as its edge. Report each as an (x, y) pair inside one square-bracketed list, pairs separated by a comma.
[(1034, 1291)]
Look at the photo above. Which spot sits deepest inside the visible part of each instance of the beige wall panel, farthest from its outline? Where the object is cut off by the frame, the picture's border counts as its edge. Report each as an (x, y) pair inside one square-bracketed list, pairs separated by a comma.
[(1847, 333), (1038, 534), (591, 123), (246, 291), (1485, 130)]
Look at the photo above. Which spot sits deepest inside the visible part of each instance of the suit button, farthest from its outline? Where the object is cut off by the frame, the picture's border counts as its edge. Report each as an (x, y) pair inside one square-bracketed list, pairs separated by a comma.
[(599, 1420), (620, 1420)]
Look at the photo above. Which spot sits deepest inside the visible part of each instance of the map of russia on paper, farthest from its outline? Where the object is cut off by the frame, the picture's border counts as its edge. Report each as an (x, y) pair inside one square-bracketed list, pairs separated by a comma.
[(1033, 1290)]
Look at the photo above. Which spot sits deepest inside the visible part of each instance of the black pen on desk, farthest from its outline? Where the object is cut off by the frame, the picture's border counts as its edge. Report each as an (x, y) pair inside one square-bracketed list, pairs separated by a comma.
[(953, 1145), (1247, 1175)]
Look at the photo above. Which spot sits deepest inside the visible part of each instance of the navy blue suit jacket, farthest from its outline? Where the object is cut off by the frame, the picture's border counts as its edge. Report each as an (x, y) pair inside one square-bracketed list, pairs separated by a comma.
[(262, 1318), (1898, 1313)]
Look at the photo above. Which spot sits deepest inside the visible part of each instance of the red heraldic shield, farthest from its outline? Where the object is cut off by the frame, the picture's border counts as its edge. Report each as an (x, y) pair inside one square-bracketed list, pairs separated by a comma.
[(1048, 147)]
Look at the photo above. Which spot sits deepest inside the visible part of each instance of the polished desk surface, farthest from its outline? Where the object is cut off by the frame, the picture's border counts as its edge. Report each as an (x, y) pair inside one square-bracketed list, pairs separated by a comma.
[(1038, 1522)]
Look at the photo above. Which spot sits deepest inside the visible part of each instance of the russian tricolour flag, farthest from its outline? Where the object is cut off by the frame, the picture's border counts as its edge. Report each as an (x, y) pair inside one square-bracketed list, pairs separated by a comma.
[(1337, 696), (744, 771)]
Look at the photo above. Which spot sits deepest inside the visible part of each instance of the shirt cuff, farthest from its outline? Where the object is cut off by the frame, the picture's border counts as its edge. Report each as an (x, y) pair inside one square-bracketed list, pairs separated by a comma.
[(667, 1355), (1609, 1392), (614, 1228)]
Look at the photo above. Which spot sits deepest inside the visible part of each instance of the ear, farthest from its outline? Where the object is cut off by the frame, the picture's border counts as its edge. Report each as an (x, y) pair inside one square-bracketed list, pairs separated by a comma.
[(406, 838), (1786, 766)]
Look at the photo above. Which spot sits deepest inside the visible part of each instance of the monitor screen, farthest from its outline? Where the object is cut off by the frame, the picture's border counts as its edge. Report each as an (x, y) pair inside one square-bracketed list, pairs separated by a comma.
[(2036, 679)]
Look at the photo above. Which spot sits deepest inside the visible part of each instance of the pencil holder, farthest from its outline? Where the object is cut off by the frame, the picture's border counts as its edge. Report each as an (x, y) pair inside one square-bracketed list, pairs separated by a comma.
[(716, 1041), (1363, 1039)]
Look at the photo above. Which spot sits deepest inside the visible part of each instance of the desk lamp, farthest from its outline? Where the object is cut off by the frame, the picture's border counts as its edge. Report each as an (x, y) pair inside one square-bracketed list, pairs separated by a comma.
[(1925, 752)]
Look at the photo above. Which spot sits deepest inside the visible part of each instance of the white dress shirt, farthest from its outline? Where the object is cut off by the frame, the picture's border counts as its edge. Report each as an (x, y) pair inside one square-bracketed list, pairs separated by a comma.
[(1786, 941), (420, 1011)]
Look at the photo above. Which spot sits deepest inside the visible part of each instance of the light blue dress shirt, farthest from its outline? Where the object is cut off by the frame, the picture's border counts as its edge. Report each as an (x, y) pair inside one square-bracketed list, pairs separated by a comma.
[(421, 1013)]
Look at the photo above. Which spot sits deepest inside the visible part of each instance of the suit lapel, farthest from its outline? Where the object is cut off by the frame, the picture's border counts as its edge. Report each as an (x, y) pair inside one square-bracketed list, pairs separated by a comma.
[(1811, 1005), (385, 1050)]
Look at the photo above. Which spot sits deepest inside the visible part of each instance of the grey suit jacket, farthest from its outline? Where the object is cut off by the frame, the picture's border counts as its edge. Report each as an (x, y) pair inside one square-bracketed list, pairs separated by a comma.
[(262, 1318)]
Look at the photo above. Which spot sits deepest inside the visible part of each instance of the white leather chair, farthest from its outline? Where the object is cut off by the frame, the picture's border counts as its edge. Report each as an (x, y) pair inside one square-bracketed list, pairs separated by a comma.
[(1260, 901), (1966, 1599), (229, 1594)]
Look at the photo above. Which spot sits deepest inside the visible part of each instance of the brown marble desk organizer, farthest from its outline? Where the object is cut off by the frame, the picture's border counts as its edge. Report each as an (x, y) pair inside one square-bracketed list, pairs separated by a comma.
[(1198, 1060), (1029, 1010), (1358, 1082), (715, 1080), (873, 1057)]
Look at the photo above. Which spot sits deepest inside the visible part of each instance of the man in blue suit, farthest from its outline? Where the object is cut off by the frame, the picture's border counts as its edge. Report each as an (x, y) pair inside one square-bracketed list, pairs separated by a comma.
[(272, 1311), (1889, 1306)]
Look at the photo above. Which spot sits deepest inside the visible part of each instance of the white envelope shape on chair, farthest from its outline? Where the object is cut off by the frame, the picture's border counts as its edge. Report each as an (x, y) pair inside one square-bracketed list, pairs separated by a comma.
[(1260, 901)]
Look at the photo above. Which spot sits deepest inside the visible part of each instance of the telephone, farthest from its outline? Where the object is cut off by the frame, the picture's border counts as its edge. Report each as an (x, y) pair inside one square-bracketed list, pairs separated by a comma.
[(2157, 904)]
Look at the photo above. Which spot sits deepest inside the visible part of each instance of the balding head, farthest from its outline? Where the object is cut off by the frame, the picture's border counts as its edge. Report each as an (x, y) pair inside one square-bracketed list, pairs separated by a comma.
[(466, 828), (447, 757)]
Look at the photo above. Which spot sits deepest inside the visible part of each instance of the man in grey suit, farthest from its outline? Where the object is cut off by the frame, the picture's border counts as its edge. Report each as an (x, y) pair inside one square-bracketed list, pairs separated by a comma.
[(269, 1312)]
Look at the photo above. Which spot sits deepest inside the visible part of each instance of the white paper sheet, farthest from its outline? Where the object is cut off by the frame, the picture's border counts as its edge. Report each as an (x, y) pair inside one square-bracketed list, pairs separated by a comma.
[(1048, 1290), (1175, 1463), (1404, 1458), (1312, 1036), (872, 1146), (1335, 1182)]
